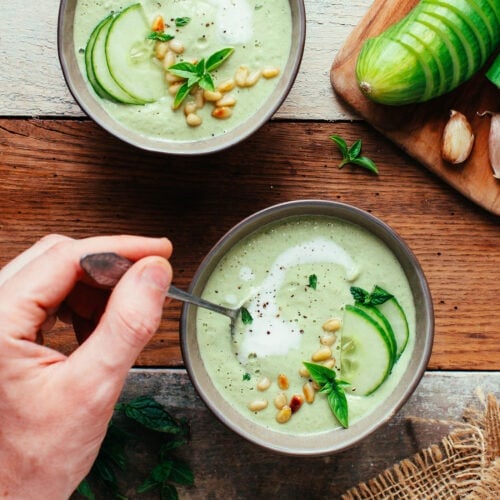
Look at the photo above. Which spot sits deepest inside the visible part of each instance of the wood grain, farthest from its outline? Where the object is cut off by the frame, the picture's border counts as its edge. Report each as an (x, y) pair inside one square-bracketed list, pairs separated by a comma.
[(227, 466), (70, 176), (418, 129)]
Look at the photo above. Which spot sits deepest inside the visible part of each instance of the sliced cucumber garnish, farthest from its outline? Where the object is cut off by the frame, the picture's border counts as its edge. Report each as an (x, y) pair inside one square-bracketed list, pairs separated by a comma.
[(101, 70), (366, 355), (394, 313), (129, 56)]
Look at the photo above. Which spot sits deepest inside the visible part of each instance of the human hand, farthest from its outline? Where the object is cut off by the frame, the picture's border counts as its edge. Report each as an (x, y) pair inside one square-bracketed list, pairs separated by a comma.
[(55, 409)]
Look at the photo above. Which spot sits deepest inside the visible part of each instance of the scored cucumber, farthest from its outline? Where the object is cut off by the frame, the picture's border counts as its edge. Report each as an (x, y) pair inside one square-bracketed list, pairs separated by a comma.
[(366, 358), (129, 56), (101, 70), (396, 316)]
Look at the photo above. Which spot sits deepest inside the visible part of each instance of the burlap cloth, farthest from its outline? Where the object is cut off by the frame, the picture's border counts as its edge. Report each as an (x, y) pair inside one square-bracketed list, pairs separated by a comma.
[(464, 465)]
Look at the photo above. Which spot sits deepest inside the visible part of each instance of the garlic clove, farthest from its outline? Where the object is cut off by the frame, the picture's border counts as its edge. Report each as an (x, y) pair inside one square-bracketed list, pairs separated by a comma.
[(458, 139), (494, 142)]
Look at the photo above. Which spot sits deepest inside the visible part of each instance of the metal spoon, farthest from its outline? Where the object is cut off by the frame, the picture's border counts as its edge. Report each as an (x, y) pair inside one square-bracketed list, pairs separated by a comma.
[(107, 268)]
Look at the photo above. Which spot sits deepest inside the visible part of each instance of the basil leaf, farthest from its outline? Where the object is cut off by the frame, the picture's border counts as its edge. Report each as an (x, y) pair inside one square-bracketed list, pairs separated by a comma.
[(160, 37), (217, 58), (379, 296), (313, 281), (168, 492), (338, 403), (181, 94), (246, 317), (352, 154), (181, 473), (365, 162), (354, 150), (206, 82), (182, 21), (341, 144), (183, 69)]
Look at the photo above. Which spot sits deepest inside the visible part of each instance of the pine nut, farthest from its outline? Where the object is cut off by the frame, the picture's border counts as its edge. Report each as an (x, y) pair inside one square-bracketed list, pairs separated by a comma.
[(322, 354), (270, 72), (296, 402), (193, 120), (241, 76), (253, 78), (332, 325), (158, 24), (172, 89), (198, 98), (329, 363), (171, 78), (211, 96), (226, 100), (258, 405), (169, 59), (328, 339), (161, 48), (226, 86), (222, 113), (263, 384), (176, 46), (304, 372), (283, 382), (190, 107), (280, 400), (284, 414), (309, 392)]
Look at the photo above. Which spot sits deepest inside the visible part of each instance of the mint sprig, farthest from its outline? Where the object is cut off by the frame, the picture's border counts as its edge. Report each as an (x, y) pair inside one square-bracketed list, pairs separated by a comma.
[(159, 36), (352, 154), (334, 390), (198, 74), (375, 298)]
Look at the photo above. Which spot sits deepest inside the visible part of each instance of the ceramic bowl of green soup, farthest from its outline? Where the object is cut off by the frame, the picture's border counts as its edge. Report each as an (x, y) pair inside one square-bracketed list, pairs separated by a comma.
[(333, 334), (186, 77)]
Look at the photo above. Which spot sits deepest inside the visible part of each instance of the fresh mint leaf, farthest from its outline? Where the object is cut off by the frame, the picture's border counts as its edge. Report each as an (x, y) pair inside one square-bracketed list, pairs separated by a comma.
[(246, 317), (182, 21), (313, 281), (159, 36), (333, 388), (376, 297), (359, 295), (246, 376), (352, 154)]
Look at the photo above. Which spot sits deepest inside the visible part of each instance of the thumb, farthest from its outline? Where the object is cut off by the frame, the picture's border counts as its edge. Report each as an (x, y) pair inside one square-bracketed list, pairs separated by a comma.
[(132, 316)]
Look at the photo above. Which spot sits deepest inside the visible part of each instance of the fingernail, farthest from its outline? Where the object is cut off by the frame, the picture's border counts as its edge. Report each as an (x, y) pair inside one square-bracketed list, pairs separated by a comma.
[(158, 273)]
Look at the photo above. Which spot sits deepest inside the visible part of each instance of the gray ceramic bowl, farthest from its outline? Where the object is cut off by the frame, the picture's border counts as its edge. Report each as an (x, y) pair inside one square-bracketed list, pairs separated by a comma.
[(79, 88), (336, 440)]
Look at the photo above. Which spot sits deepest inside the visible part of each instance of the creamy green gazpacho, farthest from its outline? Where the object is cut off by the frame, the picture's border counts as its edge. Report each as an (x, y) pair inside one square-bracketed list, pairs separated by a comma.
[(313, 289), (182, 69)]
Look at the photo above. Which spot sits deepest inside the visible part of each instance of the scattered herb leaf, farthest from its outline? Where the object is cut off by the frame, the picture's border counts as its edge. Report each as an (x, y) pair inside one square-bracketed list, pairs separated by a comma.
[(246, 317), (159, 36), (376, 297), (182, 21), (246, 376), (333, 388), (352, 154), (313, 281), (198, 74)]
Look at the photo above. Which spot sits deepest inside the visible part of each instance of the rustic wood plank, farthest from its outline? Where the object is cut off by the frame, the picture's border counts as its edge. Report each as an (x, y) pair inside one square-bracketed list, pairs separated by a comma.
[(70, 176), (33, 85), (227, 466)]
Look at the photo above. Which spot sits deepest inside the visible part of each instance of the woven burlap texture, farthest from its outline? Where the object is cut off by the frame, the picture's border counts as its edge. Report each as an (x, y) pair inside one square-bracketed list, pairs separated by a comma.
[(464, 465)]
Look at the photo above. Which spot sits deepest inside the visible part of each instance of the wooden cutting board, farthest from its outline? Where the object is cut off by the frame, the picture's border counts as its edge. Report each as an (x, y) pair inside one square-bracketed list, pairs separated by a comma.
[(418, 128)]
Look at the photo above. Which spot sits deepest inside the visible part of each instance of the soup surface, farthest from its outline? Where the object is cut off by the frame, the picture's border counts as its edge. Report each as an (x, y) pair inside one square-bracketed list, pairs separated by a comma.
[(269, 273)]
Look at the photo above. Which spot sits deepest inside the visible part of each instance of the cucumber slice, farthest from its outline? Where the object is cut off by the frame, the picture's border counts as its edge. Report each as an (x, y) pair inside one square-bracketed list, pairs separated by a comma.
[(100, 67), (396, 316), (384, 323), (366, 356), (99, 90), (129, 56)]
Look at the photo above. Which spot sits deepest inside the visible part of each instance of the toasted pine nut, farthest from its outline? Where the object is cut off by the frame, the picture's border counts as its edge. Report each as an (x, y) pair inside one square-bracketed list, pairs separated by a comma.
[(172, 89), (161, 48), (168, 59), (253, 78), (176, 46), (315, 385), (296, 402), (241, 76), (284, 414), (190, 107), (328, 339), (258, 405), (280, 400), (263, 384), (158, 24), (193, 120), (329, 363), (304, 372), (270, 72), (226, 100), (309, 392), (283, 382), (198, 98), (211, 96), (222, 113), (322, 354), (332, 325), (226, 86), (171, 78)]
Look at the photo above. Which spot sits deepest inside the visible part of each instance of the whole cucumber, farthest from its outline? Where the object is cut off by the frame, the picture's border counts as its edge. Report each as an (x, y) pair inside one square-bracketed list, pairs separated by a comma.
[(439, 45)]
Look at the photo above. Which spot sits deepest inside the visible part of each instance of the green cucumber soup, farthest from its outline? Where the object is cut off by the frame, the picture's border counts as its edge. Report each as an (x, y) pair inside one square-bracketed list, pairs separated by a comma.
[(294, 277), (259, 31)]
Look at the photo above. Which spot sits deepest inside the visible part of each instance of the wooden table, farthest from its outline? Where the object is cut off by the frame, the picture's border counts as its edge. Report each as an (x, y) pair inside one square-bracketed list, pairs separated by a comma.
[(62, 173)]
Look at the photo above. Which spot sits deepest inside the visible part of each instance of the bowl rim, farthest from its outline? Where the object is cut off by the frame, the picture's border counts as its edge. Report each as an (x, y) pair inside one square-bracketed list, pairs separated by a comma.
[(80, 91), (331, 441)]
